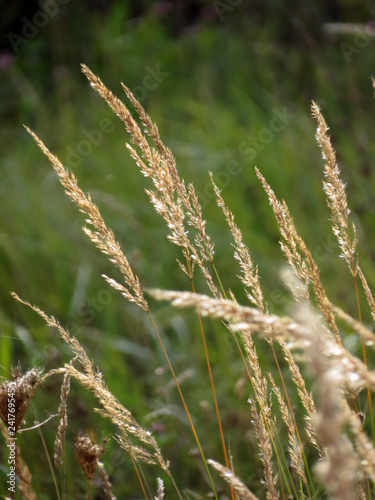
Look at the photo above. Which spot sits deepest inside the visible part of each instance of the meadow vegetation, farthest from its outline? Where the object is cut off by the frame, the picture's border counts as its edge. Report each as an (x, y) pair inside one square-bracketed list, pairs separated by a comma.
[(271, 400)]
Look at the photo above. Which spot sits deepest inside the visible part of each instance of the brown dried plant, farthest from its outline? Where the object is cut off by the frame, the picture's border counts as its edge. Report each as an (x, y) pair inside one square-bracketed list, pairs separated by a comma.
[(23, 387), (88, 454)]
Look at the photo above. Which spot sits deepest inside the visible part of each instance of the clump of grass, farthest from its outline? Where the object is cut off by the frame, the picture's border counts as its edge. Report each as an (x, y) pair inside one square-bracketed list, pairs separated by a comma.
[(329, 452)]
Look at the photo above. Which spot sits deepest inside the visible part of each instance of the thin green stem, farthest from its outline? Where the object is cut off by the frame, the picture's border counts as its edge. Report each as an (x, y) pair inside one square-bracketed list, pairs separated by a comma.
[(281, 469), (287, 468), (211, 381), (294, 421), (354, 273), (218, 279), (135, 465), (364, 357), (257, 398), (285, 392), (47, 455), (185, 408)]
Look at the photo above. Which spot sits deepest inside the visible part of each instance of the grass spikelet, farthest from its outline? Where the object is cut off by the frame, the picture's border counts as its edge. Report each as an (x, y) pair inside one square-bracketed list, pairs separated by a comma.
[(367, 335), (265, 446), (242, 492), (101, 236), (73, 343), (59, 449), (63, 424), (306, 399), (368, 293), (160, 490), (249, 272), (335, 191), (239, 317), (88, 455), (294, 447), (244, 318), (364, 447), (106, 483), (288, 243)]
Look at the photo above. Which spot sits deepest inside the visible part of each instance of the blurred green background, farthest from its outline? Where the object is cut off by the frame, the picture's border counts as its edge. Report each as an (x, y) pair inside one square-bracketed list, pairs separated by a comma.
[(213, 75)]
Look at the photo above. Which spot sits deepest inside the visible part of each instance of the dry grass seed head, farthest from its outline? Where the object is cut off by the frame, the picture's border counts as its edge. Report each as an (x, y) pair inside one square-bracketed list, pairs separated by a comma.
[(294, 447), (63, 424), (172, 200), (335, 191), (160, 490), (112, 408), (249, 272), (288, 232), (299, 258), (169, 172), (364, 446), (106, 483), (339, 468), (368, 293), (305, 397), (101, 236), (122, 418), (242, 492), (22, 388), (88, 454), (265, 446), (73, 343)]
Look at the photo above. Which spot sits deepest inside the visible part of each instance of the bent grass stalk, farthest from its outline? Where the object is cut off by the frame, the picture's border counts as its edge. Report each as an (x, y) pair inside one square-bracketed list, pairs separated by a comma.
[(211, 382)]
